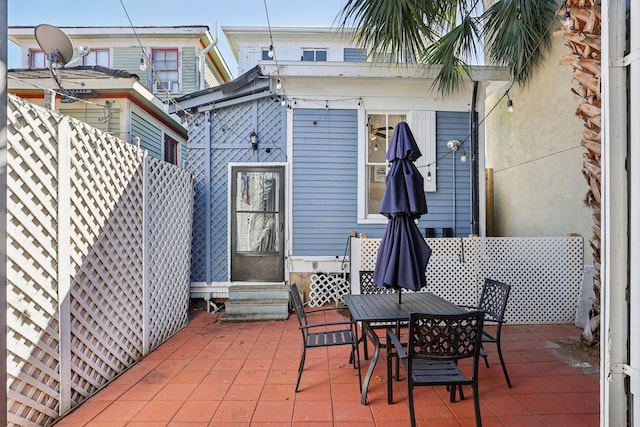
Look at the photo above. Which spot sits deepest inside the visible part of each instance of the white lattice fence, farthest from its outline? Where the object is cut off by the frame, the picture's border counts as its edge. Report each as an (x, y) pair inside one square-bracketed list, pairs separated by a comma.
[(82, 293), (545, 273)]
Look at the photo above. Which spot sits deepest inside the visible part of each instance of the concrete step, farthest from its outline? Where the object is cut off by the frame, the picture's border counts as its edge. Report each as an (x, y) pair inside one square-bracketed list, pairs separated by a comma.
[(256, 301)]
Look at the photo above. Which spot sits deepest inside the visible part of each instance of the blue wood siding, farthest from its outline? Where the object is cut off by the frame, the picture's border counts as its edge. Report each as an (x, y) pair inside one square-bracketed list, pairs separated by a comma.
[(325, 164), (325, 181), (450, 205)]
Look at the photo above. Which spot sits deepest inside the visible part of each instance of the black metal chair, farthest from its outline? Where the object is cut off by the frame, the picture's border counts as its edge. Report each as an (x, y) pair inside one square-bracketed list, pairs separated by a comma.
[(368, 287), (493, 301), (436, 344), (323, 334)]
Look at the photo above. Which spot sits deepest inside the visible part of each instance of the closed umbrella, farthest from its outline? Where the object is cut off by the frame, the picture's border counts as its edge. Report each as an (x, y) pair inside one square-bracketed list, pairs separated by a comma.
[(403, 254)]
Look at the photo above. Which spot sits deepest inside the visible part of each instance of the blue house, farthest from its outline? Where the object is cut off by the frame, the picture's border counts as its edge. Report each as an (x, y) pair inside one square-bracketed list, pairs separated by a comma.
[(289, 157)]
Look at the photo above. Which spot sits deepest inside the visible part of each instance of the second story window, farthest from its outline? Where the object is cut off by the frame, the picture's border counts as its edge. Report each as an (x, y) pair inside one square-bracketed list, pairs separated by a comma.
[(37, 59), (96, 57), (165, 64), (317, 55)]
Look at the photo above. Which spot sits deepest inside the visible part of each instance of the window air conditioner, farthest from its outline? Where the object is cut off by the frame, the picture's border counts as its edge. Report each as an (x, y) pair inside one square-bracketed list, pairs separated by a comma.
[(165, 86)]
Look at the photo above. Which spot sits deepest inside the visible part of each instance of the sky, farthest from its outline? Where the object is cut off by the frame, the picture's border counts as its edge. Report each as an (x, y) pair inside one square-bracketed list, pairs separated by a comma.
[(281, 13)]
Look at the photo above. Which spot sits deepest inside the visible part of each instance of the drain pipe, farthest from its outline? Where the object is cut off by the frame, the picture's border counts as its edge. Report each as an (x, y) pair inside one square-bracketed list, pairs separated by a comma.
[(475, 173), (203, 55)]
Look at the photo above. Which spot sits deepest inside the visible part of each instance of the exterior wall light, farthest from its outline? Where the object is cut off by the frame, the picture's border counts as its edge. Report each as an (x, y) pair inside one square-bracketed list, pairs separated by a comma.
[(254, 140)]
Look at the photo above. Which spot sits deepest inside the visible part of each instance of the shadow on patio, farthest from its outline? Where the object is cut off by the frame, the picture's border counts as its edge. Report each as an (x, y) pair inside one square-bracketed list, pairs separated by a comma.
[(243, 374)]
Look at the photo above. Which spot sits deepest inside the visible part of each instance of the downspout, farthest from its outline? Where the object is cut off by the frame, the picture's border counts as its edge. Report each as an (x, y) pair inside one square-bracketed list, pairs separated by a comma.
[(475, 196), (203, 55)]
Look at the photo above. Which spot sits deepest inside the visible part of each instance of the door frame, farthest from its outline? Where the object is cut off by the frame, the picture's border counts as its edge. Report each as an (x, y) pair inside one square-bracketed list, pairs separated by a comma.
[(286, 211)]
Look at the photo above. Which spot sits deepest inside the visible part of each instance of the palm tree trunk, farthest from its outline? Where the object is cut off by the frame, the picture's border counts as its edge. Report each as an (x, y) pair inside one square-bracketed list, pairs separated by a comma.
[(582, 32)]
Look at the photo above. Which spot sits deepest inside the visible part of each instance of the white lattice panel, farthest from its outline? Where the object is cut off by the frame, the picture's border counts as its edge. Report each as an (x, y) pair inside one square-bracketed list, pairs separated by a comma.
[(33, 339), (327, 288), (545, 273), (106, 184), (169, 247), (75, 270)]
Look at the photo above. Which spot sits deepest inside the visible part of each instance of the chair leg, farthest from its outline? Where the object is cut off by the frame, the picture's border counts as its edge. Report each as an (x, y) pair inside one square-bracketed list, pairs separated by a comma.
[(476, 405), (504, 367), (411, 407), (389, 377), (301, 366)]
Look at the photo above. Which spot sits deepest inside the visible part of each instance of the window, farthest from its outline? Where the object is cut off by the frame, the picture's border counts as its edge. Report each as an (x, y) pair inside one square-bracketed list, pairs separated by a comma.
[(170, 150), (317, 55), (37, 59), (96, 57), (265, 55), (165, 65), (354, 54), (373, 164), (379, 132)]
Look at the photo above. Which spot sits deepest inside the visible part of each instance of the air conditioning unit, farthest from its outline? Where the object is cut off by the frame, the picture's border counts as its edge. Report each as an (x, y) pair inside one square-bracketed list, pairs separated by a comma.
[(166, 86)]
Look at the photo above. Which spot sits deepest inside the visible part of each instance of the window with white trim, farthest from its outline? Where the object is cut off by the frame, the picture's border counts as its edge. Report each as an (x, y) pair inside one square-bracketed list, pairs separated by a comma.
[(378, 134), (166, 70), (317, 55), (96, 57)]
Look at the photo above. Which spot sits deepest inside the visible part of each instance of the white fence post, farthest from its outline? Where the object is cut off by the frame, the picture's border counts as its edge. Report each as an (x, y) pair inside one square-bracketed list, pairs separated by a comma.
[(64, 268)]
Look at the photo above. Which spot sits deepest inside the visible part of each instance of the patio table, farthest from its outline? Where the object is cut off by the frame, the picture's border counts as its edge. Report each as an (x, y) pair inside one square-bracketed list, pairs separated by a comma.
[(368, 308)]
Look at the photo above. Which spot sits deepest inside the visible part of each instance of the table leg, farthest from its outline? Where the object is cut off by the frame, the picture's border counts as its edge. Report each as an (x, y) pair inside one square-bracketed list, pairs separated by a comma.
[(376, 353)]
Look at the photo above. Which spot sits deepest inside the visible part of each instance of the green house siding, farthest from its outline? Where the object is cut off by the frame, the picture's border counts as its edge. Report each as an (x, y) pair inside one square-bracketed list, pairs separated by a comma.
[(150, 136), (128, 59), (107, 120)]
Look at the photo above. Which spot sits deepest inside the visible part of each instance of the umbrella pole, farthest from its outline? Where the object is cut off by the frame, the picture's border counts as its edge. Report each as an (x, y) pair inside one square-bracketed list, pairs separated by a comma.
[(399, 296)]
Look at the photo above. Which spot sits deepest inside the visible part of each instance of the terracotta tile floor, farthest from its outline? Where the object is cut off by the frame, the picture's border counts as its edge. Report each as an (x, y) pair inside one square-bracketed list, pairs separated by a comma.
[(243, 374)]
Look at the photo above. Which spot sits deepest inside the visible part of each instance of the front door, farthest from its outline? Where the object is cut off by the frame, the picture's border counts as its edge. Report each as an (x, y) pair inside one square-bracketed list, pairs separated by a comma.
[(257, 223)]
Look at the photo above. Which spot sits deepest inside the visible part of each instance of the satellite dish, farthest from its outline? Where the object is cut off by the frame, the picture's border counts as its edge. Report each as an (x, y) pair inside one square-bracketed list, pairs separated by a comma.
[(54, 43)]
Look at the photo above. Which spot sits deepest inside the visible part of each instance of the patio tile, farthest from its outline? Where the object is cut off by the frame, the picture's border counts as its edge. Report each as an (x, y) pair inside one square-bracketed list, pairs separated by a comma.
[(311, 411), (273, 411), (158, 410), (219, 374), (194, 411)]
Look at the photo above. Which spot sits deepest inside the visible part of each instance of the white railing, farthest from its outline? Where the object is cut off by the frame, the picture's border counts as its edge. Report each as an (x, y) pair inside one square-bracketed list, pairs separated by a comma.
[(545, 273), (98, 253)]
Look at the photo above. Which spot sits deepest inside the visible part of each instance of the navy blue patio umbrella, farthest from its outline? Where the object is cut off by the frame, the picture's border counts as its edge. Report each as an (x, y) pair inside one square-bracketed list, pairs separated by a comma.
[(403, 254)]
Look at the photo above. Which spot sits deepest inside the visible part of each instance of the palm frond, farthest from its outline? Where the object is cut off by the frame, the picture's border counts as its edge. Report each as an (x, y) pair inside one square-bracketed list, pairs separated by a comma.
[(388, 27), (453, 51), (517, 34)]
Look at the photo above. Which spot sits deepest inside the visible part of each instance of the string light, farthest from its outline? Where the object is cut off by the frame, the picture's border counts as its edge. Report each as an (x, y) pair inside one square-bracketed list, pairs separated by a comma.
[(509, 103), (270, 53), (279, 85), (143, 64)]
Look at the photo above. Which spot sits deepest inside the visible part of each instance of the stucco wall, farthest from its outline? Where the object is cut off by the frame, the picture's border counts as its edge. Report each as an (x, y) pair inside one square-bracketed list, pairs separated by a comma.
[(536, 157)]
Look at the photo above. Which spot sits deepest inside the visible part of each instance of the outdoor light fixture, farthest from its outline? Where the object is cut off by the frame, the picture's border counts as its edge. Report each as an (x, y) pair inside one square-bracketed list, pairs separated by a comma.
[(279, 85), (463, 156), (429, 174), (453, 144), (509, 104), (143, 64), (270, 53), (254, 140)]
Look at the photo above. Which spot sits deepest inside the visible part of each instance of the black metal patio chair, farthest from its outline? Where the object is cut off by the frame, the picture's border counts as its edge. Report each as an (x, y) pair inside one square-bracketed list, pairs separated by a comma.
[(323, 334), (493, 302), (436, 343), (368, 287)]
